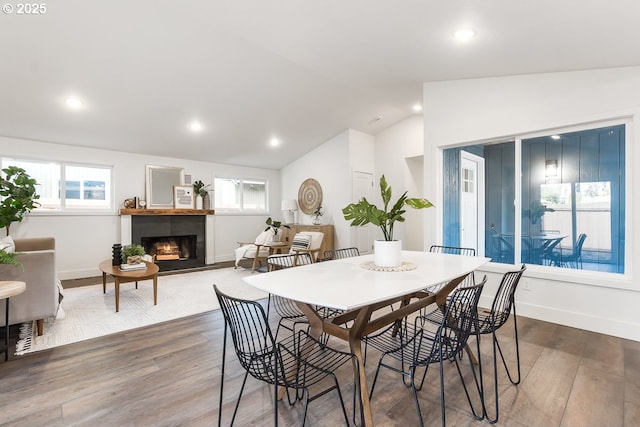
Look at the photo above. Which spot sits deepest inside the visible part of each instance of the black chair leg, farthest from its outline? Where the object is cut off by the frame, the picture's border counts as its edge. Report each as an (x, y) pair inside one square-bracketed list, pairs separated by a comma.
[(224, 354)]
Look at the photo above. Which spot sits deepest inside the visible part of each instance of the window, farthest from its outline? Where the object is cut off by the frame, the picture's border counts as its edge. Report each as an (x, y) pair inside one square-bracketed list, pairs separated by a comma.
[(571, 188), (240, 195), (68, 187)]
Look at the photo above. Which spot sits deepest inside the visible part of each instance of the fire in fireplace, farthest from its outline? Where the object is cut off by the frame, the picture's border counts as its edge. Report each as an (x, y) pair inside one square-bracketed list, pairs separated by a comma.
[(170, 248)]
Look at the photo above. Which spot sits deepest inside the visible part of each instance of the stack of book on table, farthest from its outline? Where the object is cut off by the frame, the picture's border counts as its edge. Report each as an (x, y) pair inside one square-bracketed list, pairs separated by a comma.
[(130, 267)]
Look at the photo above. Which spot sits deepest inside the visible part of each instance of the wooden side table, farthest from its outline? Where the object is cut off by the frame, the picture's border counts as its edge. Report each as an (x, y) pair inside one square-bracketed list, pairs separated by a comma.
[(119, 276), (9, 289)]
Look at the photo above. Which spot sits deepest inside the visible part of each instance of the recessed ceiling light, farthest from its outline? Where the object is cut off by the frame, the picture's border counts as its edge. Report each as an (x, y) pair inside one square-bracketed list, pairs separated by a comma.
[(73, 103), (274, 142), (195, 126), (464, 34), (417, 107)]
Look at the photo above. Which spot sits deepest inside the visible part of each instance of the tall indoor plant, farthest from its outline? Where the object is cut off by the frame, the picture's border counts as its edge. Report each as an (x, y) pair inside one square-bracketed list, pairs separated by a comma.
[(18, 194), (364, 212)]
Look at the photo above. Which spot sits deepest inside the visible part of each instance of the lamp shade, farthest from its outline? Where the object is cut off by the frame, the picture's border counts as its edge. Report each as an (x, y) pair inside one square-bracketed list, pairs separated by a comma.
[(290, 205)]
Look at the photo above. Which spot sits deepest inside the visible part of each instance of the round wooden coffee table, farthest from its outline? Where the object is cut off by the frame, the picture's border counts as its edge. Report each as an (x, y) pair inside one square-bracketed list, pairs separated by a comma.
[(119, 276)]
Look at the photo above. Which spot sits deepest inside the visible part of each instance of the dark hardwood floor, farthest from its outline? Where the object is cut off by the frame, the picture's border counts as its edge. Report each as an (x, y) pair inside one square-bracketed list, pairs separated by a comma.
[(169, 375)]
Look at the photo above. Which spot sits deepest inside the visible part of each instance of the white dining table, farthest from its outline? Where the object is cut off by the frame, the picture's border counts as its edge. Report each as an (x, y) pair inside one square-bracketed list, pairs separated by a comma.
[(346, 285)]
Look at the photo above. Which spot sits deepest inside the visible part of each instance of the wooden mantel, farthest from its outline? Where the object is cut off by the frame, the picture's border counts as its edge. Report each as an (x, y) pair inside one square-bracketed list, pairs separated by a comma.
[(166, 211)]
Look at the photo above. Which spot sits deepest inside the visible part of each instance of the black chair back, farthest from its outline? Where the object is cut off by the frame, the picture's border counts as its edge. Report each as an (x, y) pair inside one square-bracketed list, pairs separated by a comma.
[(452, 250), (457, 325), (503, 301), (250, 332), (341, 253), (278, 262)]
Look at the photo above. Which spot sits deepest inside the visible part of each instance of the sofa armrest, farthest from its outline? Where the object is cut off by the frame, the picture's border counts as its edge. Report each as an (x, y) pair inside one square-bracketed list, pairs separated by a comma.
[(41, 297), (35, 244)]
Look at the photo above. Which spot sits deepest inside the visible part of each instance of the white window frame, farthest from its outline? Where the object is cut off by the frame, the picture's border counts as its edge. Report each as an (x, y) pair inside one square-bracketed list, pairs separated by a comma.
[(242, 210), (63, 209), (584, 277)]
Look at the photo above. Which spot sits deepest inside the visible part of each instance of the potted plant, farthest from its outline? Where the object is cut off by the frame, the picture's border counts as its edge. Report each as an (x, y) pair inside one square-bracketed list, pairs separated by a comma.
[(132, 254), (9, 258), (317, 215), (363, 213), (18, 194), (202, 191), (274, 226)]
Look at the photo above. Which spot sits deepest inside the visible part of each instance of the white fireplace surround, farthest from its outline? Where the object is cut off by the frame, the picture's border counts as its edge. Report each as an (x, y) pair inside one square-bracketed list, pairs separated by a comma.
[(125, 236)]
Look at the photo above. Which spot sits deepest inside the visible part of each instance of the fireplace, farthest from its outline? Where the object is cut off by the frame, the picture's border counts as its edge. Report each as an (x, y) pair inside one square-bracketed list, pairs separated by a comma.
[(176, 241), (170, 248)]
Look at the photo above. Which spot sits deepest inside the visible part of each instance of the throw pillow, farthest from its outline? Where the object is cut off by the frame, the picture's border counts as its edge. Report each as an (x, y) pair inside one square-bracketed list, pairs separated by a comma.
[(300, 241), (7, 244)]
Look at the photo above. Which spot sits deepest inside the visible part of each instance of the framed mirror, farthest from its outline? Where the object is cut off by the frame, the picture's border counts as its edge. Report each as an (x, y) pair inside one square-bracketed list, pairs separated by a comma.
[(159, 185)]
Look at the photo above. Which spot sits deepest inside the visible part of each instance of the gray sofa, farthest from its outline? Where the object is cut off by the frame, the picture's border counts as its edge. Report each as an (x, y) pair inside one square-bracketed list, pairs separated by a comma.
[(42, 296)]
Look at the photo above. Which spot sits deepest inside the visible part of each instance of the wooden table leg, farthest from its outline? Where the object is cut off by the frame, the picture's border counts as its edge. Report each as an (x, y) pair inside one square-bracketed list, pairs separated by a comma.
[(117, 283), (155, 289), (355, 344)]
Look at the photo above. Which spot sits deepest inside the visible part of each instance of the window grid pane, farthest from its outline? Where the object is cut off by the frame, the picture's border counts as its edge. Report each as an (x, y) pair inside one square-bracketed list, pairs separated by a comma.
[(85, 187), (571, 215)]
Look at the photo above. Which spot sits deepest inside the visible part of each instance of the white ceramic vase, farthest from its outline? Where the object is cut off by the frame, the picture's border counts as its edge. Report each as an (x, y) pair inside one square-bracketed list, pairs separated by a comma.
[(387, 253), (275, 238), (198, 202)]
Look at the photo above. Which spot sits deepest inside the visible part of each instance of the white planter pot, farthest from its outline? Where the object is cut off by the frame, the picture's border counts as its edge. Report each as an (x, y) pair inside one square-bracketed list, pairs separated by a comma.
[(275, 238), (387, 254)]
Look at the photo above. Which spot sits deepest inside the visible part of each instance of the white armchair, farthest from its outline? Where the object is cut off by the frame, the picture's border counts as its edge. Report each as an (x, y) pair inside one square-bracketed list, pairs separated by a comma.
[(254, 251)]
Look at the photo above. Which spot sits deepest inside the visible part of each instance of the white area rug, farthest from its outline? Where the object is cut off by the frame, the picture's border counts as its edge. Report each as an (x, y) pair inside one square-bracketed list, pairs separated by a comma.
[(87, 313)]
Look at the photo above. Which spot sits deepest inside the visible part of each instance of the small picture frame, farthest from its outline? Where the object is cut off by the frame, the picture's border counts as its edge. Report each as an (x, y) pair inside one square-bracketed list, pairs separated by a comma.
[(183, 196)]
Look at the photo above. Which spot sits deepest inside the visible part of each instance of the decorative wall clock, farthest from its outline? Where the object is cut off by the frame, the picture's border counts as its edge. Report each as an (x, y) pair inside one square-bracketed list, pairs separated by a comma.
[(309, 196)]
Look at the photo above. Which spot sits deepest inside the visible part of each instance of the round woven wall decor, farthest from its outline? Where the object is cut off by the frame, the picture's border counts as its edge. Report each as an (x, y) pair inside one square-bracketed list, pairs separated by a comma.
[(309, 196)]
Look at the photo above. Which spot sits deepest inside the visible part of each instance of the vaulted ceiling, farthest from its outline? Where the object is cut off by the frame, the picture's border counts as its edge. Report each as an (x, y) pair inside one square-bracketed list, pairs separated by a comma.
[(300, 71)]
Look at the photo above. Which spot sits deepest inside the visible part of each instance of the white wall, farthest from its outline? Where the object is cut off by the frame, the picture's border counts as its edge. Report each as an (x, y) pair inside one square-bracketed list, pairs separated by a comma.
[(329, 165), (82, 241), (467, 111), (396, 150)]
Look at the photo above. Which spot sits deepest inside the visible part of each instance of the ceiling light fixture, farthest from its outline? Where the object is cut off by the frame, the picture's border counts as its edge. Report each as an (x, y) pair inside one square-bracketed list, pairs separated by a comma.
[(274, 142), (195, 126), (73, 103), (417, 107), (464, 34)]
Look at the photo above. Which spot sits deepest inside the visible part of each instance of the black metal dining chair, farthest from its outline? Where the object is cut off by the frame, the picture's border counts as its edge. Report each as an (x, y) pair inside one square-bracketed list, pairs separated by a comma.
[(290, 314), (417, 346), (297, 362), (489, 321), (454, 250)]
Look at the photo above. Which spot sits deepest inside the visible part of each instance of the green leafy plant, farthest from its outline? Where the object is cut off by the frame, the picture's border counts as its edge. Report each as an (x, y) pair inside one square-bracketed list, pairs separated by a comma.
[(363, 212), (18, 194), (274, 226), (9, 258), (132, 250), (201, 188)]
